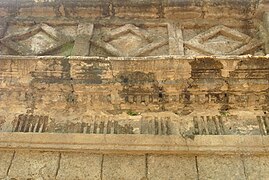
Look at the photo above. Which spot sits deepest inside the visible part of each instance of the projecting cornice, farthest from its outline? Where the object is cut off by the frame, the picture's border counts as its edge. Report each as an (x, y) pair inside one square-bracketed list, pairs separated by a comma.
[(182, 9), (136, 144)]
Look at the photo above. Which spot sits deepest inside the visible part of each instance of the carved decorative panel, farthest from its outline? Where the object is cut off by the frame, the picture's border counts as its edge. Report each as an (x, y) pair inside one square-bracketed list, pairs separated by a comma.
[(263, 124), (37, 40), (222, 40), (130, 40)]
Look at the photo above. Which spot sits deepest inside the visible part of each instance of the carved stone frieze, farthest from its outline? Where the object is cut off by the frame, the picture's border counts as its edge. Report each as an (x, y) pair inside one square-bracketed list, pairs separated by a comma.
[(38, 40), (221, 124), (221, 40), (86, 86), (130, 39), (128, 89)]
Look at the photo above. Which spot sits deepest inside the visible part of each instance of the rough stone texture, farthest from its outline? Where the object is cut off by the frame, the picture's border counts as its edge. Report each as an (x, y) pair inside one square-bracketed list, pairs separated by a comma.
[(6, 158), (130, 9), (72, 165), (220, 167), (32, 164), (80, 166), (124, 167), (143, 68), (256, 167), (135, 28), (152, 95), (130, 83), (143, 143), (266, 23), (142, 38), (171, 167), (266, 20)]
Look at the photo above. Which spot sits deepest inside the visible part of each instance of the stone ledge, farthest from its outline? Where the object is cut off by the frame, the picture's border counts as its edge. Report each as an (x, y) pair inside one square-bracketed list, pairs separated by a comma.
[(130, 3), (132, 8), (148, 58), (136, 144)]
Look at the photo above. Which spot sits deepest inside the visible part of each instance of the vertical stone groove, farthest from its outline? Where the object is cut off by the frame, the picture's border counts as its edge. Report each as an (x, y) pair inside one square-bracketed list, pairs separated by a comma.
[(244, 168), (59, 164), (102, 163), (146, 166), (197, 167), (11, 161)]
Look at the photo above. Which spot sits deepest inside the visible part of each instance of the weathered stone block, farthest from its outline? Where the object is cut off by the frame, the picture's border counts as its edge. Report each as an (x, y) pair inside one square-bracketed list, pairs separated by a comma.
[(266, 23), (29, 164), (80, 166), (266, 20), (257, 167), (82, 42), (5, 161), (220, 167), (171, 167), (123, 167)]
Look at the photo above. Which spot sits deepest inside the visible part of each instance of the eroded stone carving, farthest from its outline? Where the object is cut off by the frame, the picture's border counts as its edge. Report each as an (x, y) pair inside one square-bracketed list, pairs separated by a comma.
[(152, 82), (263, 124), (176, 46), (221, 40), (82, 41), (140, 84), (129, 40), (39, 40), (183, 78), (207, 125), (141, 39), (30, 123), (222, 124)]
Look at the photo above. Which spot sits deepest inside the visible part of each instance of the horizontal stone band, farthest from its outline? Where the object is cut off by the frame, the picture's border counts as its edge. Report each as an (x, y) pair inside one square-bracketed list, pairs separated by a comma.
[(138, 144)]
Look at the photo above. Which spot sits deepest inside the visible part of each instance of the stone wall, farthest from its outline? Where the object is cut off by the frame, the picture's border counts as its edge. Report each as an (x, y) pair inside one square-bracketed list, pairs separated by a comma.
[(114, 89), (66, 165), (130, 8), (191, 77), (128, 37), (77, 156), (71, 94)]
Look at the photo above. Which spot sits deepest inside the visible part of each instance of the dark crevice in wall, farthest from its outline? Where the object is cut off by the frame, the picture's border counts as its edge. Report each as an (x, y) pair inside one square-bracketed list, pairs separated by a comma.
[(102, 163), (146, 166), (197, 167), (244, 168), (59, 165), (11, 161)]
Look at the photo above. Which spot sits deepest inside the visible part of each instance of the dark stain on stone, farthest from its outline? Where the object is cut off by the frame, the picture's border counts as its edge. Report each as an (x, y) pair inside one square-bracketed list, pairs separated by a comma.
[(71, 98), (259, 69), (136, 78), (90, 73), (135, 91), (206, 68), (30, 123)]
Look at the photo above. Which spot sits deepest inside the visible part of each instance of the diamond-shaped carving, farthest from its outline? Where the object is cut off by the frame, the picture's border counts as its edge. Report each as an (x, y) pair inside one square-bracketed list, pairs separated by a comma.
[(128, 43), (38, 40), (129, 40), (223, 41)]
